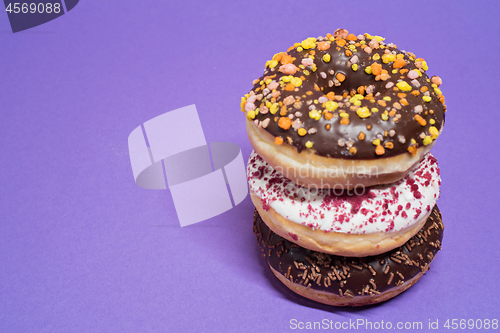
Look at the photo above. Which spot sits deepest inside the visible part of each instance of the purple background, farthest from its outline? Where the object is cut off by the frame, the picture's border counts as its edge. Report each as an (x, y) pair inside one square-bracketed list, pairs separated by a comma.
[(82, 248)]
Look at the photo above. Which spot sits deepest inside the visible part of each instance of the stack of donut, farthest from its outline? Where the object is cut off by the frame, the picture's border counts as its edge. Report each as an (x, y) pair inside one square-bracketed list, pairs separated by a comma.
[(341, 175)]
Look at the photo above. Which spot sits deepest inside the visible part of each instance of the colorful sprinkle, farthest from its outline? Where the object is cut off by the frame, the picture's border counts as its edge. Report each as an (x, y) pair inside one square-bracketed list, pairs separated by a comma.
[(363, 112), (403, 85)]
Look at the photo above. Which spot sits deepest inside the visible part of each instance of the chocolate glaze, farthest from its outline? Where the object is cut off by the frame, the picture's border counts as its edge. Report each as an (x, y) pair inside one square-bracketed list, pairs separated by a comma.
[(348, 276), (325, 141)]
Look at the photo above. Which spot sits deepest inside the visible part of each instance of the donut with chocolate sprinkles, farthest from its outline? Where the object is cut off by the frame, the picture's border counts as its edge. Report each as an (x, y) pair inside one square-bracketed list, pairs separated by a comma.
[(350, 281), (344, 102)]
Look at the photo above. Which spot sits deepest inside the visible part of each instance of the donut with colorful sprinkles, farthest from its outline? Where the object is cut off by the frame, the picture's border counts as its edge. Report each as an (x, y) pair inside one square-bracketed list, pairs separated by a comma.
[(344, 109)]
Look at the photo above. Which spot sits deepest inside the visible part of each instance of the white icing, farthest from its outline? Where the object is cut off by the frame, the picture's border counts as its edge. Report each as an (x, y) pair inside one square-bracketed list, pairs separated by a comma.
[(385, 208)]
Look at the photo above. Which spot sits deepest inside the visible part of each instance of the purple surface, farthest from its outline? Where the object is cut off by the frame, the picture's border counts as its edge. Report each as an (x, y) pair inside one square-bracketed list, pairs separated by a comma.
[(84, 249)]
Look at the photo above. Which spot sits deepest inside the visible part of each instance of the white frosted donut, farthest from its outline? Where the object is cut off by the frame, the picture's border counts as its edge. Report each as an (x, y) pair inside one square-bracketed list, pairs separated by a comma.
[(359, 222)]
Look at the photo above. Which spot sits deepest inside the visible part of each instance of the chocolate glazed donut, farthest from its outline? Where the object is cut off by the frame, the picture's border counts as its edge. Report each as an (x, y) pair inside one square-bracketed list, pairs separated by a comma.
[(349, 281), (345, 101)]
